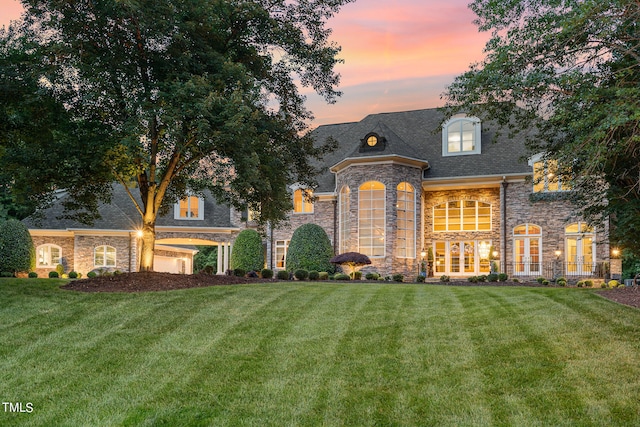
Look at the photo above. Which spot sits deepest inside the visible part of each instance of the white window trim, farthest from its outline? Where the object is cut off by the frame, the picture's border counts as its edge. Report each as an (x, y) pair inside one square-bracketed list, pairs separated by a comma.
[(528, 237), (285, 246), (412, 250), (51, 263), (384, 226), (104, 248), (477, 135), (545, 185), (200, 217), (305, 203)]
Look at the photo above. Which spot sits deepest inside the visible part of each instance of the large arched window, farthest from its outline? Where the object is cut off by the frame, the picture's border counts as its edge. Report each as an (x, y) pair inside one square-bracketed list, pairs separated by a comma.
[(345, 219), (371, 219), (527, 244), (406, 221), (48, 256), (104, 256), (461, 135), (462, 215), (580, 248)]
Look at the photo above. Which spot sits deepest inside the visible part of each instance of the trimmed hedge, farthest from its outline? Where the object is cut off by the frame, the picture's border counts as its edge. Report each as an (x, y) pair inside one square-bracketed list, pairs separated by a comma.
[(17, 252), (310, 249), (247, 253)]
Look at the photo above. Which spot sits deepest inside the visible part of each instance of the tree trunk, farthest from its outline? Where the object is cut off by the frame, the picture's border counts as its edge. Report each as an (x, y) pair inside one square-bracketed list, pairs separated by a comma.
[(147, 245)]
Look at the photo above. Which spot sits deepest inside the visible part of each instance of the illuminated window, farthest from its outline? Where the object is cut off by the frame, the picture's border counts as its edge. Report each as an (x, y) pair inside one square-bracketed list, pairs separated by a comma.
[(527, 244), (345, 219), (104, 256), (371, 219), (461, 135), (462, 215), (281, 253), (372, 140), (48, 256), (546, 177), (301, 204), (580, 249), (406, 221), (191, 207)]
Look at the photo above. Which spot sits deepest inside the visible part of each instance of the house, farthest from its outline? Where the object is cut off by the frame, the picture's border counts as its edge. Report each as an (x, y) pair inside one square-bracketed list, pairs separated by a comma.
[(398, 187)]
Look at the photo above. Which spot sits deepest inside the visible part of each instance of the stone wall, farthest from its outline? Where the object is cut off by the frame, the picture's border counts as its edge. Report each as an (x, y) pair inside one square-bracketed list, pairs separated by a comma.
[(67, 253), (84, 251)]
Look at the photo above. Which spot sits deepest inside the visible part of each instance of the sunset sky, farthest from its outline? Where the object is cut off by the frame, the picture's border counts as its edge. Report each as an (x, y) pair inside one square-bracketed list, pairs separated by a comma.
[(399, 54)]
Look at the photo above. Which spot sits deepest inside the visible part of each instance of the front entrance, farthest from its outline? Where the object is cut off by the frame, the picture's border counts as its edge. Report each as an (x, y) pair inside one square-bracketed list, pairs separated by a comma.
[(462, 258)]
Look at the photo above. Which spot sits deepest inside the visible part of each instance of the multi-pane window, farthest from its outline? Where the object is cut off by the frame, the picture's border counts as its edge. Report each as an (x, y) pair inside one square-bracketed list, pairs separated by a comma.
[(461, 135), (191, 207), (302, 204), (527, 244), (104, 256), (48, 255), (580, 248), (345, 219), (462, 215), (371, 219), (546, 177), (406, 221), (281, 253)]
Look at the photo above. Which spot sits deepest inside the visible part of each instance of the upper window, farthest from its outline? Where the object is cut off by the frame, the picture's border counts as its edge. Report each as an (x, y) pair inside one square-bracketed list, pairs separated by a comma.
[(371, 219), (546, 177), (406, 222), (48, 255), (461, 135), (191, 207), (301, 203), (462, 215), (104, 256)]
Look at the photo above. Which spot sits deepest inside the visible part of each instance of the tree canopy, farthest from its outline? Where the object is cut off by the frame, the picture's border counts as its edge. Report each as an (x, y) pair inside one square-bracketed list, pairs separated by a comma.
[(570, 69), (183, 96)]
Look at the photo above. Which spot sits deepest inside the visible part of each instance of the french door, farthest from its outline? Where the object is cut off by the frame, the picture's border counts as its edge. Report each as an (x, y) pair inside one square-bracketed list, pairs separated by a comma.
[(461, 258), (527, 256)]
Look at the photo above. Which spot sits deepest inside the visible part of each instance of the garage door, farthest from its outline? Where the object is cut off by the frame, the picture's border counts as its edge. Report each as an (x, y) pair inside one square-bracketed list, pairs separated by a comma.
[(165, 264)]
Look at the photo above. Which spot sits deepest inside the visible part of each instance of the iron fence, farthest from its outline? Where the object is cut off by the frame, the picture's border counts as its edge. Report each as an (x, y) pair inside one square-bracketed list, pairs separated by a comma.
[(555, 269)]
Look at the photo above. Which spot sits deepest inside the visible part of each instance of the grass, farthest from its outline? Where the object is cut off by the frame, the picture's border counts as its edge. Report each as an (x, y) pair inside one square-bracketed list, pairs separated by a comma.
[(318, 354)]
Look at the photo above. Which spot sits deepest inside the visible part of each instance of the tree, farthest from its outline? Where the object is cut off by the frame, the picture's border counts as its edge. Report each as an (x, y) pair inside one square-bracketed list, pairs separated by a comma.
[(17, 253), (571, 71), (351, 259), (195, 95), (309, 249), (247, 253)]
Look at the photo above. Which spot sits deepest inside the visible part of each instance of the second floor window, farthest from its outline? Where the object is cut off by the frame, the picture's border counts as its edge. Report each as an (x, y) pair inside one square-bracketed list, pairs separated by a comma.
[(191, 207), (301, 204), (546, 177), (462, 215)]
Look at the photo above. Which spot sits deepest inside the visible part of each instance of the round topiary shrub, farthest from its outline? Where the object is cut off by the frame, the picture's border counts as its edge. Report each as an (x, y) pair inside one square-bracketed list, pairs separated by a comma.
[(282, 275), (17, 252), (314, 275), (239, 272), (323, 275), (33, 275), (503, 277), (247, 253), (310, 249), (493, 277), (92, 274), (341, 276), (53, 275), (613, 283), (371, 276), (73, 275), (301, 274), (266, 273), (444, 278), (420, 278), (398, 278)]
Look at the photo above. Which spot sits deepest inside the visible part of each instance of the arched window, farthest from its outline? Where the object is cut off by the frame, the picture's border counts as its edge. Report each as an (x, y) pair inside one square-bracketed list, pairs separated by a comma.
[(406, 221), (580, 248), (345, 219), (301, 204), (104, 256), (462, 215), (527, 244), (48, 256), (371, 219), (461, 135)]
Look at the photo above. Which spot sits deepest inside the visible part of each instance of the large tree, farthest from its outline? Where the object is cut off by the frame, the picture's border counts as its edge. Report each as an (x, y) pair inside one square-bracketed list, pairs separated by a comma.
[(570, 69), (195, 94)]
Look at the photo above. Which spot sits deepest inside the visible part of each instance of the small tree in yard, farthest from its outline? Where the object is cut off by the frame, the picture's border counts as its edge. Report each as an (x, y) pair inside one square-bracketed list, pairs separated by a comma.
[(352, 260), (247, 253), (309, 249), (17, 253)]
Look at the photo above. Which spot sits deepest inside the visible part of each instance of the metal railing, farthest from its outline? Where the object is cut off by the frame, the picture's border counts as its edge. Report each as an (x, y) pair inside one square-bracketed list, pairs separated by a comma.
[(555, 269)]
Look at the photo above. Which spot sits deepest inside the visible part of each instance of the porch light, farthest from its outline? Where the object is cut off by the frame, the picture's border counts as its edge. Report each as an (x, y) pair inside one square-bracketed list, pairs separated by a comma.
[(615, 252), (483, 250), (558, 253), (495, 254), (139, 233)]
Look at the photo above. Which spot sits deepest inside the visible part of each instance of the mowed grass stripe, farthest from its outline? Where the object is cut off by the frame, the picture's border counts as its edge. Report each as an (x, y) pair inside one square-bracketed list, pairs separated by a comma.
[(320, 354)]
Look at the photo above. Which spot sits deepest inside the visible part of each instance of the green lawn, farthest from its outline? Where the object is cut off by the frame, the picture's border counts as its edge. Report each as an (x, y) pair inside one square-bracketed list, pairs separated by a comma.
[(318, 354)]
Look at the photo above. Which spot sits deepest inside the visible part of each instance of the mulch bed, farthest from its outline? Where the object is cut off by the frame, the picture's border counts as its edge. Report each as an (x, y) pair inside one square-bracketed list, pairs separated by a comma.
[(150, 281)]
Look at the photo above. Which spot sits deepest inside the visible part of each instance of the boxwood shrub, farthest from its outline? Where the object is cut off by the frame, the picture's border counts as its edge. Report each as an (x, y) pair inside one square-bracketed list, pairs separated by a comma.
[(314, 275), (341, 276), (282, 275), (301, 274), (17, 252), (266, 273), (310, 249), (247, 253)]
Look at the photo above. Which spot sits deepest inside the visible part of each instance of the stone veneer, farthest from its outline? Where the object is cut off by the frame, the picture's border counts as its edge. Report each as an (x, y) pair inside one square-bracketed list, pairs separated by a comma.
[(67, 253)]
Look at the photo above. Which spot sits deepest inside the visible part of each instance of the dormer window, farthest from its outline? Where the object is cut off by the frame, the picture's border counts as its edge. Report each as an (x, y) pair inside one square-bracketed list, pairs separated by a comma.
[(189, 208), (372, 142), (461, 136)]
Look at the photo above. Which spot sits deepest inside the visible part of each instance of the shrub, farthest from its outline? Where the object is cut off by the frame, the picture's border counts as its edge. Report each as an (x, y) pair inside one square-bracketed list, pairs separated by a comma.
[(53, 275), (398, 278), (314, 275), (266, 273), (420, 278), (6, 274), (444, 278), (310, 249), (588, 283), (381, 279), (60, 269), (239, 272), (73, 275), (545, 282), (613, 283), (580, 284), (561, 281), (323, 275), (516, 280), (351, 260), (371, 276), (91, 274), (473, 279), (540, 280), (17, 252), (341, 276), (356, 275), (247, 253), (493, 277), (282, 275), (33, 275), (301, 274), (208, 269), (482, 278), (503, 277)]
